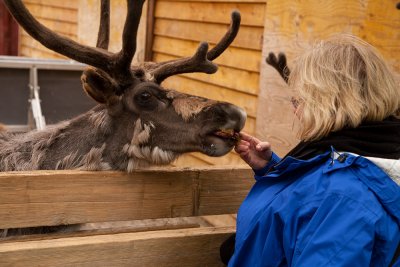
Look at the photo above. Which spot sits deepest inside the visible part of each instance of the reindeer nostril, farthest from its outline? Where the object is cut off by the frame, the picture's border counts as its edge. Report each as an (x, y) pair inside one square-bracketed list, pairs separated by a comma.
[(236, 117)]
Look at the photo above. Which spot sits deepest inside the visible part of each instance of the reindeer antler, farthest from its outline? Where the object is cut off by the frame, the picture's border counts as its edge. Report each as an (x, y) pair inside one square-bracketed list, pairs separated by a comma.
[(117, 65), (280, 64), (103, 37), (201, 60)]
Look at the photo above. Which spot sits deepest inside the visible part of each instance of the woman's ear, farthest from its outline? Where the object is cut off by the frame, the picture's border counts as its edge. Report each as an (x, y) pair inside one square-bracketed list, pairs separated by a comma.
[(99, 85)]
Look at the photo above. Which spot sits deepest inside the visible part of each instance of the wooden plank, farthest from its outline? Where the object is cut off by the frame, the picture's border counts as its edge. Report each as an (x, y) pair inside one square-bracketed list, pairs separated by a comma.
[(231, 159), (185, 247), (244, 81), (217, 12), (213, 195), (70, 4), (68, 197), (190, 160), (25, 39), (199, 160), (220, 220), (216, 1), (248, 37), (30, 51), (59, 26), (53, 13), (238, 58), (203, 89)]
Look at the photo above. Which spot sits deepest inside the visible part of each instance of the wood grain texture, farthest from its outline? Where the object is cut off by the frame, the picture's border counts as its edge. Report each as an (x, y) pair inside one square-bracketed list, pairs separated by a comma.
[(181, 25), (88, 23), (181, 247), (200, 88), (201, 160), (68, 197), (248, 37), (55, 13), (291, 26), (59, 16), (217, 1), (244, 81), (216, 12), (238, 58), (70, 4)]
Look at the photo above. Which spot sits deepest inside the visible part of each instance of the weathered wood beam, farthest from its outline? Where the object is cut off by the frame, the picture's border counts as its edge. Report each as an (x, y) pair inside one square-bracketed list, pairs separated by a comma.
[(182, 247), (44, 198)]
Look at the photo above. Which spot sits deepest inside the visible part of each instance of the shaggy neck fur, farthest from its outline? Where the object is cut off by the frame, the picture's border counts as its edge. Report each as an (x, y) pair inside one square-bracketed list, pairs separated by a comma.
[(92, 141)]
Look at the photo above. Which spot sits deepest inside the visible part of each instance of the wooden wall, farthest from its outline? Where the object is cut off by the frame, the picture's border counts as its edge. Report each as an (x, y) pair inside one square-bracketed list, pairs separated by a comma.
[(290, 26), (243, 77), (181, 25), (78, 20), (88, 21), (60, 16)]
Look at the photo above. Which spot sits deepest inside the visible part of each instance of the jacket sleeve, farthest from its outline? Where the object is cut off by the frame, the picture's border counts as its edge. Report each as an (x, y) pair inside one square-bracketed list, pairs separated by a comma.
[(338, 232), (274, 160)]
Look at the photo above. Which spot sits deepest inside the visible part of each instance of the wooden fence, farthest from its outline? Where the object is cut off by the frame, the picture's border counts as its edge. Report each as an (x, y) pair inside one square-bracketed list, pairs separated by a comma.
[(165, 217)]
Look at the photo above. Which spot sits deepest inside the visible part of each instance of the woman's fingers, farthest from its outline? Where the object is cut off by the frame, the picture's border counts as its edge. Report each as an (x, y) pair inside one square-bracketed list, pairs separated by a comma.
[(262, 146), (241, 148), (245, 136), (251, 139)]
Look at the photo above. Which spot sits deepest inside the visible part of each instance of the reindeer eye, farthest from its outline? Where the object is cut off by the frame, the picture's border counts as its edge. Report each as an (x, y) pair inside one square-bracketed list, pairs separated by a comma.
[(143, 97)]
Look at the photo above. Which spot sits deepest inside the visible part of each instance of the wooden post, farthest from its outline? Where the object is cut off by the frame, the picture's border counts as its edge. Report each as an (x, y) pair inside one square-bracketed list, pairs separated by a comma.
[(148, 49), (8, 32)]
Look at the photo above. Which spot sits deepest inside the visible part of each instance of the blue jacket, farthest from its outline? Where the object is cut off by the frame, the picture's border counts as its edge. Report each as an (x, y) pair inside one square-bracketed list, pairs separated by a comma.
[(325, 211)]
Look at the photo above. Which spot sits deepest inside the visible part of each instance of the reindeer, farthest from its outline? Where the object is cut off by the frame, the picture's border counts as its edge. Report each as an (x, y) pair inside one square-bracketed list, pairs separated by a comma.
[(137, 122)]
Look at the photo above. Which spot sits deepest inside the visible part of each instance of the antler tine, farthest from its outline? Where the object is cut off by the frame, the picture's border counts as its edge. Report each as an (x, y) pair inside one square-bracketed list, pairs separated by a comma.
[(228, 38), (65, 46), (201, 60), (125, 56), (103, 37), (197, 63), (279, 64)]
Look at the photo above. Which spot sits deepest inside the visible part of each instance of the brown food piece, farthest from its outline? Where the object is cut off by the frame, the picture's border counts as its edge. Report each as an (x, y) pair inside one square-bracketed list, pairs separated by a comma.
[(228, 133)]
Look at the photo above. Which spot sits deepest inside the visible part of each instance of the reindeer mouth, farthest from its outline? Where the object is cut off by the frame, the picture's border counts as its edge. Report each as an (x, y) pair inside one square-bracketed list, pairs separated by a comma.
[(228, 134), (219, 142)]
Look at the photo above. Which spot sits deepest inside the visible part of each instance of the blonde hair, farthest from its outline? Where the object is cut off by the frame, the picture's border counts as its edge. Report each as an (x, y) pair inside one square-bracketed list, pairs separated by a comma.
[(342, 82)]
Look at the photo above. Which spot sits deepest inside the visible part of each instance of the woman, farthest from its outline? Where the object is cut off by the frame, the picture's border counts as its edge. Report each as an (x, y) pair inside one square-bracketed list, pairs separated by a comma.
[(333, 200)]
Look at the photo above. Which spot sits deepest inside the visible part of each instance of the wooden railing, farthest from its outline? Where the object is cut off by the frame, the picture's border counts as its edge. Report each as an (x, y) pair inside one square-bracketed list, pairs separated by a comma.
[(165, 213)]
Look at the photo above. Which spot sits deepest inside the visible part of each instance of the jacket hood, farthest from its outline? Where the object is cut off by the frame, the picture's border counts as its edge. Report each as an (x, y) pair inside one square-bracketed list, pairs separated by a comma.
[(390, 166), (382, 177)]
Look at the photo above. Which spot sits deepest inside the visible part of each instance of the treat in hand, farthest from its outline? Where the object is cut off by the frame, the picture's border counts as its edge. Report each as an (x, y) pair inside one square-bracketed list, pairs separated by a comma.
[(253, 151)]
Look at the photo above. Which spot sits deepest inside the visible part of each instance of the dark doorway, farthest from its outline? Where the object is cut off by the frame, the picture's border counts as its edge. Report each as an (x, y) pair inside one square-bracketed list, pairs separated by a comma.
[(8, 32)]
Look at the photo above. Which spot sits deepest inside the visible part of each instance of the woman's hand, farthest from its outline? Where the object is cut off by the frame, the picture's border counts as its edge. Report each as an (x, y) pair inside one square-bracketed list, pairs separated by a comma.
[(254, 152)]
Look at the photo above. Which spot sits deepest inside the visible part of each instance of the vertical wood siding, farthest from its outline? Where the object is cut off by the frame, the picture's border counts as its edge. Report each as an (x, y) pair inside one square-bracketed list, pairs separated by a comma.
[(179, 27), (290, 26)]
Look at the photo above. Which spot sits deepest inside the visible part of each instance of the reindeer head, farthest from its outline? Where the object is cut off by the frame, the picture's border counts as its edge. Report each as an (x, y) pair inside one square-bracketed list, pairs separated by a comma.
[(159, 123)]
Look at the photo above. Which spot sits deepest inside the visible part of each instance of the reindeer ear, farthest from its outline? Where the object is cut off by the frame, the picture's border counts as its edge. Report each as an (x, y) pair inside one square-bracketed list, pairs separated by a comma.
[(99, 85)]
